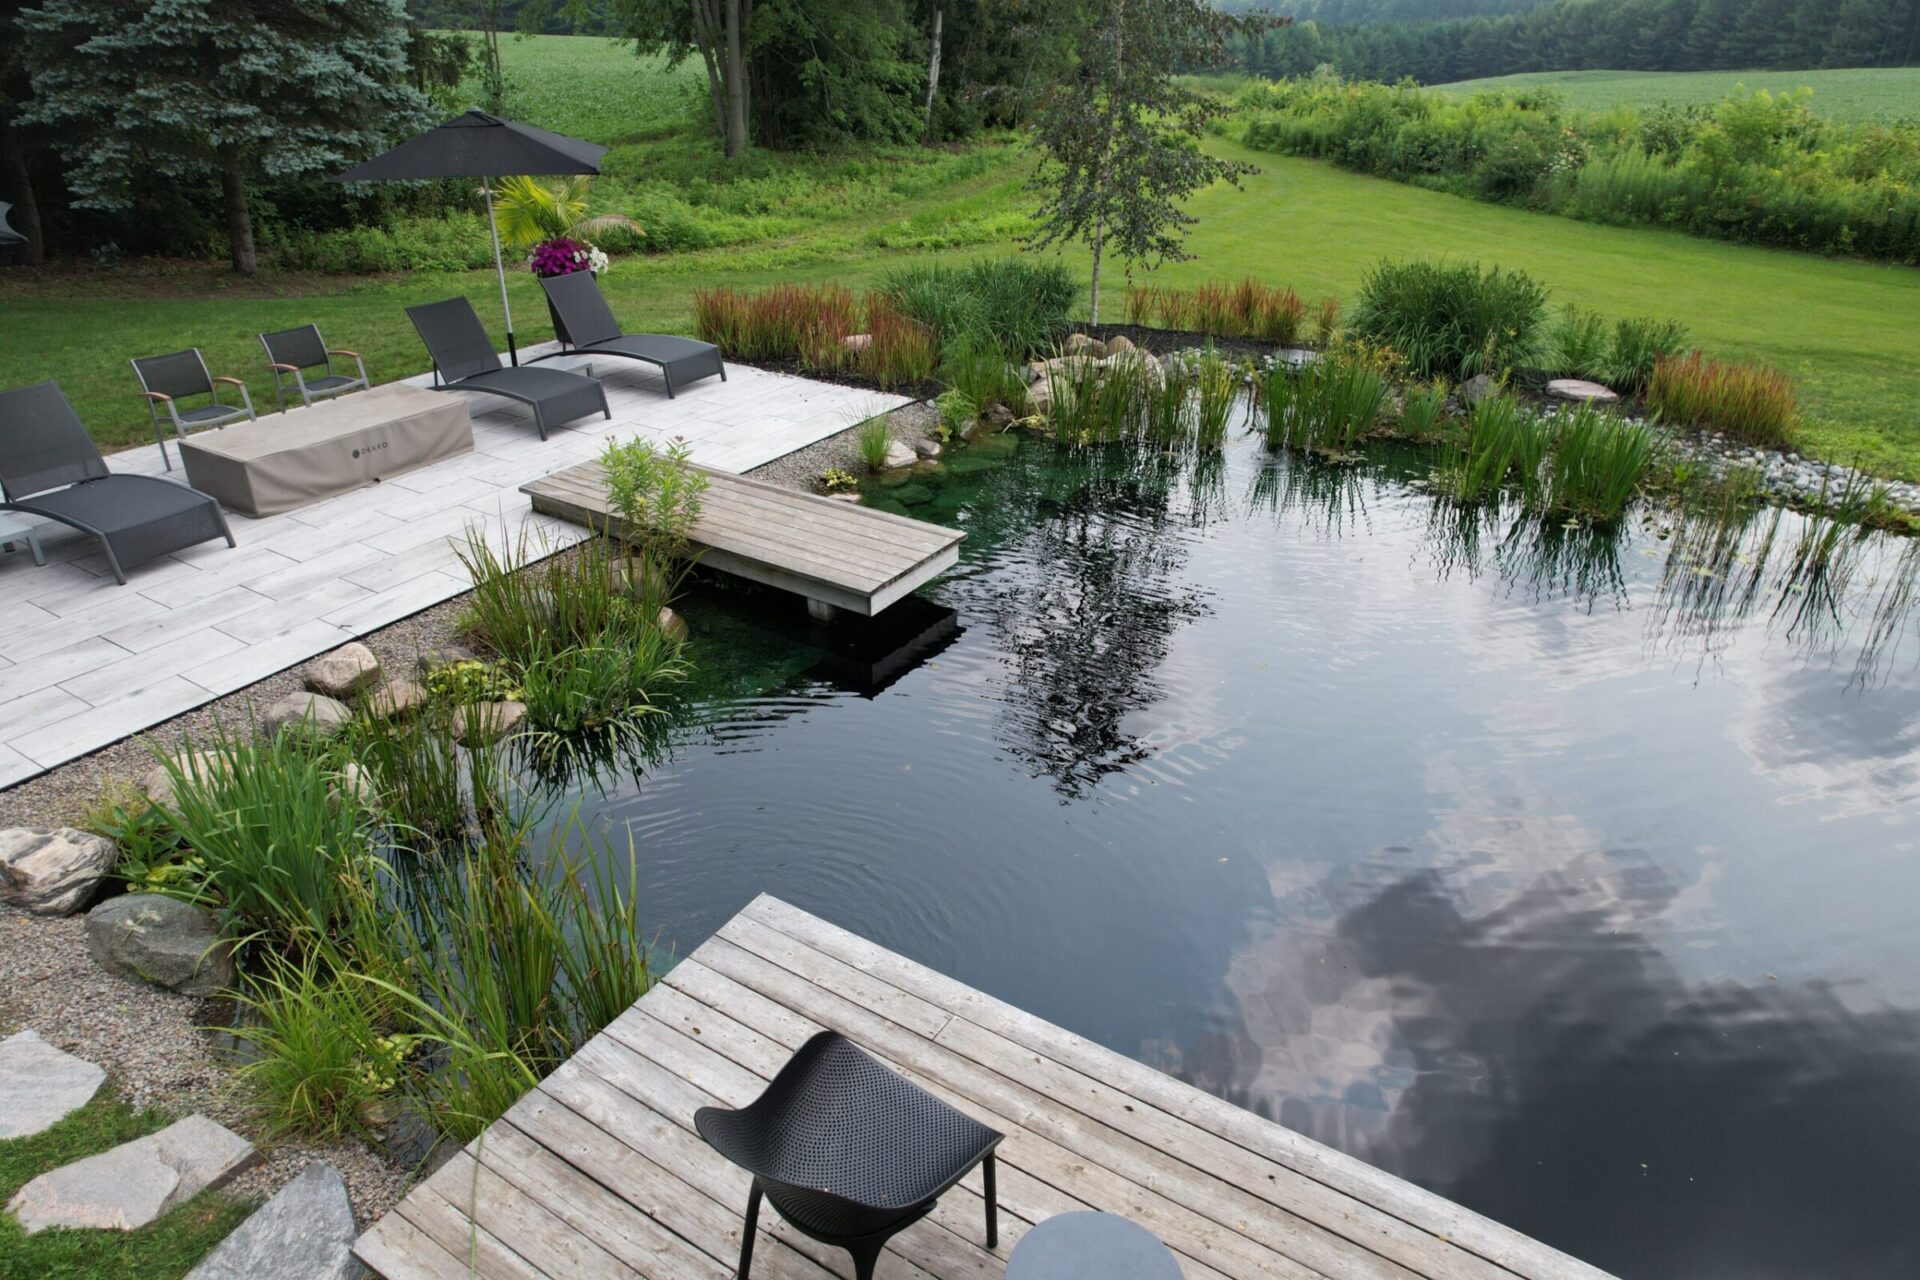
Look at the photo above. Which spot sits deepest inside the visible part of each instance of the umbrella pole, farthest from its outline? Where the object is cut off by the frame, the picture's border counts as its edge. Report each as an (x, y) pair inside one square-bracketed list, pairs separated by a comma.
[(499, 269)]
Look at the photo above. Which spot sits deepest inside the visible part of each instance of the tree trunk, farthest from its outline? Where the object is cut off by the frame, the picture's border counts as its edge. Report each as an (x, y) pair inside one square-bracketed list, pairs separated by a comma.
[(736, 76), (933, 72), (1099, 234), (708, 33), (233, 187), (17, 179)]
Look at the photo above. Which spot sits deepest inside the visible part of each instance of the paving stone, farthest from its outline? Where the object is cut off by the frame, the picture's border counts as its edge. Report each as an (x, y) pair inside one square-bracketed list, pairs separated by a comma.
[(131, 1185), (160, 940), (304, 1233), (41, 1085), (1581, 391), (53, 872), (343, 672)]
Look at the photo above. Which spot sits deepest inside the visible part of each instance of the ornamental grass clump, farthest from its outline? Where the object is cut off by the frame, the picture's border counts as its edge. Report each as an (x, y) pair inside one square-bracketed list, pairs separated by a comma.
[(1017, 305), (1422, 409), (1247, 309), (985, 373), (1639, 345), (805, 322), (275, 850), (1753, 403), (1452, 320), (1596, 466), (874, 440), (899, 351), (1503, 440), (1323, 406)]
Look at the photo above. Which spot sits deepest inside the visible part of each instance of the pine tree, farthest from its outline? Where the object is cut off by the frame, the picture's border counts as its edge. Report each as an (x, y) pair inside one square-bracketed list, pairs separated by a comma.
[(193, 90), (1118, 135)]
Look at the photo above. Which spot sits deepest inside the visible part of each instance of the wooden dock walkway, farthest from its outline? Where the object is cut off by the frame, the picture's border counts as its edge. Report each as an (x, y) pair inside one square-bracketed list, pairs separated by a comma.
[(598, 1171), (836, 554)]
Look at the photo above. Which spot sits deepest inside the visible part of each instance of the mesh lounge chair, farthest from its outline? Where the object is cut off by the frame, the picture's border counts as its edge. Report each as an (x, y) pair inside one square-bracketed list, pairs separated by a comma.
[(167, 380), (464, 360), (50, 468), (848, 1152), (584, 324), (291, 353)]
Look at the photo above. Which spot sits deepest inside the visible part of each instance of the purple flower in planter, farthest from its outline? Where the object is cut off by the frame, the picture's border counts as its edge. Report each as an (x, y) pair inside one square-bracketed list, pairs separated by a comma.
[(558, 257)]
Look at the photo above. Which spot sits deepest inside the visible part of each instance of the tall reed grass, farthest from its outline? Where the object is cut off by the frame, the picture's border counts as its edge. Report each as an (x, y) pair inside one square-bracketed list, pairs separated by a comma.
[(1597, 465), (1325, 406), (1452, 320), (1503, 441)]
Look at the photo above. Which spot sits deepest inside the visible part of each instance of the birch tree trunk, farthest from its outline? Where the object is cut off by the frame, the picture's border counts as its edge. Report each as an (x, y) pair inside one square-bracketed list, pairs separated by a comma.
[(933, 73)]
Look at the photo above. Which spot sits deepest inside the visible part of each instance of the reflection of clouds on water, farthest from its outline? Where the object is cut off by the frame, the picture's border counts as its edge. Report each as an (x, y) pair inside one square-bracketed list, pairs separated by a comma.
[(1539, 1058)]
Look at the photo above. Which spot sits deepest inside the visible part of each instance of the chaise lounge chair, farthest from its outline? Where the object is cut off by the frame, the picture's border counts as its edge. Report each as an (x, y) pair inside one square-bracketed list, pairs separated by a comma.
[(464, 360), (292, 352), (50, 468), (849, 1152), (169, 379), (585, 326)]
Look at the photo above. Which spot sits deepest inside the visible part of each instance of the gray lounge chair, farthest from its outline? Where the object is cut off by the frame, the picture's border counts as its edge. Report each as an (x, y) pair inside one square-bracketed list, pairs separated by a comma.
[(50, 468), (169, 379), (464, 360), (292, 353), (585, 325)]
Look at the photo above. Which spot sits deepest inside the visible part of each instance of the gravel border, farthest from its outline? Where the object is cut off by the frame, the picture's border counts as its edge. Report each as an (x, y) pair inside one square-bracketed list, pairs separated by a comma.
[(153, 1043)]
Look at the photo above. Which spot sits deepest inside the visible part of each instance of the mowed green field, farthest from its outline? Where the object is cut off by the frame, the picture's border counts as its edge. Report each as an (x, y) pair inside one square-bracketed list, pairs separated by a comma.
[(1877, 94), (1844, 330), (594, 88)]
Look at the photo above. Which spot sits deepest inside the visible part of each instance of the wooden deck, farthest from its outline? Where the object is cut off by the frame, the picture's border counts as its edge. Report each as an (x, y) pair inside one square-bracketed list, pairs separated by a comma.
[(836, 554), (598, 1171)]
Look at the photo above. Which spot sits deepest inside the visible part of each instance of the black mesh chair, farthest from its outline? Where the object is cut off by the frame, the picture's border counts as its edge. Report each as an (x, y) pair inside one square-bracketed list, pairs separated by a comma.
[(585, 326), (848, 1152), (464, 360), (49, 467), (293, 355), (167, 380)]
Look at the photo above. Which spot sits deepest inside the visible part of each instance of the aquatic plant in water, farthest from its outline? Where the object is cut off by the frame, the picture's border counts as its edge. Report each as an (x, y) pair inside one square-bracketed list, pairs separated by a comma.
[(1326, 405), (1596, 466)]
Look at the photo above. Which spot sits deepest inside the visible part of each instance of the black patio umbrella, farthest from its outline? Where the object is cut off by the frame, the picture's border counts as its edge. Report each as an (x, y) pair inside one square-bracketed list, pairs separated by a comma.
[(477, 145)]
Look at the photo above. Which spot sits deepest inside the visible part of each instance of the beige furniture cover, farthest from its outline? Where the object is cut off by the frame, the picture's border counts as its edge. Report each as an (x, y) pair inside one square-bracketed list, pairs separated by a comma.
[(294, 458)]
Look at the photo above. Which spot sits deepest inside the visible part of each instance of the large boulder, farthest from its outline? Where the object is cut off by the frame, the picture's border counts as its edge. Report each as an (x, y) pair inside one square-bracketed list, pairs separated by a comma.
[(53, 872), (396, 698), (41, 1085), (307, 713), (158, 782), (1119, 343), (162, 941), (1079, 344), (304, 1233), (129, 1186), (1477, 388), (899, 454), (1040, 399), (674, 627), (343, 672)]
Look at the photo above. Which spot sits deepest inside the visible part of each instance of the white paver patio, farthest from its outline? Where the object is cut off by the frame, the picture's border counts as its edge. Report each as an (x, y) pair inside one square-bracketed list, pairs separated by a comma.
[(85, 662)]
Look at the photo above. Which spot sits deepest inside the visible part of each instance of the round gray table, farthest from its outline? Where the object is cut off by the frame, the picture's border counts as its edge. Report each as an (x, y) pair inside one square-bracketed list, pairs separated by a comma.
[(1091, 1246)]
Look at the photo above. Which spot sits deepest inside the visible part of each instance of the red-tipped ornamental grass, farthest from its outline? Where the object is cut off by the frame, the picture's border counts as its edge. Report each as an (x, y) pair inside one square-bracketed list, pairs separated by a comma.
[(1751, 402)]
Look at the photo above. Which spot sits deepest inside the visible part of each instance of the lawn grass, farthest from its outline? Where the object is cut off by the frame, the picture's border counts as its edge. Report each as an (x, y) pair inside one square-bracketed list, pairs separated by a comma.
[(164, 1250), (1842, 330), (1866, 94), (592, 87)]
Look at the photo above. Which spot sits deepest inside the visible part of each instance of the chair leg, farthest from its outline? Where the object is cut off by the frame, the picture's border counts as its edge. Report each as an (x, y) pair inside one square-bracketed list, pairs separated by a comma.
[(865, 1258), (161, 440), (113, 561), (993, 1203), (746, 1236)]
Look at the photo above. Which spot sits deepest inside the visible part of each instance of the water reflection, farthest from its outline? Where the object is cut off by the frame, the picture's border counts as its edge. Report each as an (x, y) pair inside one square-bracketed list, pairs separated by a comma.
[(1543, 1054)]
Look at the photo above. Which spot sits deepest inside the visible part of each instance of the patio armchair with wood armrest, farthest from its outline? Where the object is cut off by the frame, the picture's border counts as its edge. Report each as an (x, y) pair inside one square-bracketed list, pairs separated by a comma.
[(169, 379)]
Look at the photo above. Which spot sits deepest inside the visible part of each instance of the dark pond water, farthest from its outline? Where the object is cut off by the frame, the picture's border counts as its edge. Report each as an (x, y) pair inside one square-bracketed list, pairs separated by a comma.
[(1571, 876)]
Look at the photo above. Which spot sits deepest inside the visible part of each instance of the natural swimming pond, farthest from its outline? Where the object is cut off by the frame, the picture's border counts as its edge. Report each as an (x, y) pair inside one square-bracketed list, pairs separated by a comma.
[(1572, 875)]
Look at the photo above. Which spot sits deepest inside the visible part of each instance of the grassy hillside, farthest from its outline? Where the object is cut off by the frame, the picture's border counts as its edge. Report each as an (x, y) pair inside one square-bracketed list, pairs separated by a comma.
[(1842, 329), (1876, 94)]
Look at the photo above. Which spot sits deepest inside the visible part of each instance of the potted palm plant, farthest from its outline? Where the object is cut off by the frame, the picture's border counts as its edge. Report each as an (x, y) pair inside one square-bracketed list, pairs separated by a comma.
[(550, 221)]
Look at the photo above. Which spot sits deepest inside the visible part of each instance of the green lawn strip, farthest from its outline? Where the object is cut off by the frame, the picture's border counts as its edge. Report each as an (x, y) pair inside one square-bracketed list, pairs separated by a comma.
[(162, 1250), (1875, 94), (1839, 328)]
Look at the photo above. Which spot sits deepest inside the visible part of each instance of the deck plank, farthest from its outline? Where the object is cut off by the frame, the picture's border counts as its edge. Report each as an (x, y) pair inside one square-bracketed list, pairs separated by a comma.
[(837, 553), (598, 1172)]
